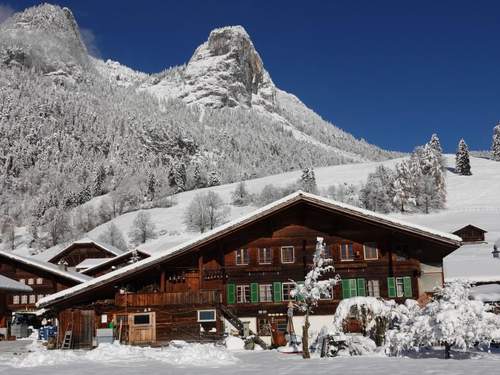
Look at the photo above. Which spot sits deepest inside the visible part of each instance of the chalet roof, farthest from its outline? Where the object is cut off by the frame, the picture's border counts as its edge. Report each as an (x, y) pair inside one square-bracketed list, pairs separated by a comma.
[(53, 253), (91, 262), (232, 226), (10, 285), (47, 267), (469, 226), (106, 261)]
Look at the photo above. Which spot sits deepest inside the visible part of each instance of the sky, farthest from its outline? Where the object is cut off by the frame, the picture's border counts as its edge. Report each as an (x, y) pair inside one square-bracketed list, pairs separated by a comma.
[(391, 72)]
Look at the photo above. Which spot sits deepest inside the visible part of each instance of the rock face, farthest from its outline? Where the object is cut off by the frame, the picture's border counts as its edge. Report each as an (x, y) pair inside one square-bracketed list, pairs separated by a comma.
[(227, 71), (44, 37)]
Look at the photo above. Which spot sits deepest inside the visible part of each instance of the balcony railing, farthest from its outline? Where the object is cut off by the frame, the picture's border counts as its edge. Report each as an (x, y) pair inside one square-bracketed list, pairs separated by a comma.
[(203, 297)]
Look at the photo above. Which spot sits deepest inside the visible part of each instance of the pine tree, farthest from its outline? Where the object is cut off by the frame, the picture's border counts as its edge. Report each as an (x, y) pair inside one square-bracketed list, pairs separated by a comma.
[(152, 182), (199, 180), (435, 143), (403, 192), (213, 178), (100, 176), (462, 159), (495, 146), (240, 195), (307, 181)]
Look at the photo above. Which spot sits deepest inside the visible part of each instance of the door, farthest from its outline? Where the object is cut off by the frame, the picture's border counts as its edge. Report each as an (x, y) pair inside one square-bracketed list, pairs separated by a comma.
[(142, 328)]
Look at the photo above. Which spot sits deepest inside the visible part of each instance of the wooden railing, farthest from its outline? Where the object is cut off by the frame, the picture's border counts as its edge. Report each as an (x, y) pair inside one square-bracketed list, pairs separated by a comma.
[(204, 297)]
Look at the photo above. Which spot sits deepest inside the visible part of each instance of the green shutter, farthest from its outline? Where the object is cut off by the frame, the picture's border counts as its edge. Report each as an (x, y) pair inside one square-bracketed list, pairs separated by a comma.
[(361, 287), (346, 291), (231, 293), (353, 287), (254, 292), (407, 286), (391, 287), (277, 291)]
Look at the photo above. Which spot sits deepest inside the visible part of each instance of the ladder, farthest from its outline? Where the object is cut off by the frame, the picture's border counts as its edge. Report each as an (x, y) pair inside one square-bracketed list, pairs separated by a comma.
[(68, 338), (238, 324)]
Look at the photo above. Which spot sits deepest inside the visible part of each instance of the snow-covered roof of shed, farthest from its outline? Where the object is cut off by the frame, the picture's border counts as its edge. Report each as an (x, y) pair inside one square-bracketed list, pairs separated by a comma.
[(91, 262), (54, 251), (245, 219), (48, 267), (7, 284), (111, 260)]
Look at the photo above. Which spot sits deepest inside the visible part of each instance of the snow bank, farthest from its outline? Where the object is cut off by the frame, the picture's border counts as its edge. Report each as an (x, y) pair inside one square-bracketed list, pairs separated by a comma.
[(187, 355), (234, 343)]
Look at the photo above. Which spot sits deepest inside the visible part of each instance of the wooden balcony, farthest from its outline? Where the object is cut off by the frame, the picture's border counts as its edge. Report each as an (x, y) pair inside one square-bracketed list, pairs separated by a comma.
[(193, 298)]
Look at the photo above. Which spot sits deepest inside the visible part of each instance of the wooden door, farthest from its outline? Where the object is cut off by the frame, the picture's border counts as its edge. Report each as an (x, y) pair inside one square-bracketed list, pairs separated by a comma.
[(142, 328)]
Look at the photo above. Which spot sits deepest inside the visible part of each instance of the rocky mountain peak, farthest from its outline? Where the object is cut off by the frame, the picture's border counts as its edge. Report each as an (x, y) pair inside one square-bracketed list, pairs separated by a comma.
[(227, 71)]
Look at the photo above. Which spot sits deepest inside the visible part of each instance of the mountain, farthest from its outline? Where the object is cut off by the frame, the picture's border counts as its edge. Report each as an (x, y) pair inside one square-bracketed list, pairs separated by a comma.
[(73, 127)]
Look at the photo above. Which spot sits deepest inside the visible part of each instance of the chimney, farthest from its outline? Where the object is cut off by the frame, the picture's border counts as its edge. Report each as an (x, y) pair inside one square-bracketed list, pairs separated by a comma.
[(495, 252)]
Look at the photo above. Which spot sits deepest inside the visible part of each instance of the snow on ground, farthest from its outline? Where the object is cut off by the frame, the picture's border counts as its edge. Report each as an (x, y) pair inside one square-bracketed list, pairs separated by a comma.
[(126, 360)]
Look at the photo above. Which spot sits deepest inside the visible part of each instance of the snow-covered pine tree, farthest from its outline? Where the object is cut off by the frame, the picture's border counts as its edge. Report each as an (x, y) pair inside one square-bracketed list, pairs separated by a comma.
[(402, 186), (462, 159), (307, 181), (98, 186), (213, 178), (376, 194), (315, 287), (177, 176), (495, 146), (152, 185), (240, 195)]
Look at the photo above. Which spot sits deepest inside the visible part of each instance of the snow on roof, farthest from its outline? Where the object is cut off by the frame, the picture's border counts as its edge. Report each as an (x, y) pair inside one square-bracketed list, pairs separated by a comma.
[(48, 267), (486, 292), (91, 262), (112, 260), (10, 285), (83, 241), (232, 225), (472, 262)]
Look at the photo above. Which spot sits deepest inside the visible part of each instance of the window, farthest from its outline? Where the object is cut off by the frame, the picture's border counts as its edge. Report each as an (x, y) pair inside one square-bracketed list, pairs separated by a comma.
[(371, 251), (40, 296), (31, 281), (39, 281), (346, 251), (24, 299), (287, 254), (400, 287), (15, 300), (206, 316), (242, 293), (265, 255), (242, 257), (22, 281), (373, 288), (353, 288), (32, 298), (141, 319), (266, 292), (287, 288)]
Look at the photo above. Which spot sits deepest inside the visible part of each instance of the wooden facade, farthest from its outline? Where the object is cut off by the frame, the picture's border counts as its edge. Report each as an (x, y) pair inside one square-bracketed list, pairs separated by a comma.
[(78, 251), (231, 273), (471, 233)]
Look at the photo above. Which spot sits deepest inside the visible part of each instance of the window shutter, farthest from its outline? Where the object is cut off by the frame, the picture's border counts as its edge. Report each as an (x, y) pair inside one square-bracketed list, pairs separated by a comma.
[(391, 287), (277, 291), (353, 287), (361, 287), (231, 293), (254, 292), (346, 291), (407, 287)]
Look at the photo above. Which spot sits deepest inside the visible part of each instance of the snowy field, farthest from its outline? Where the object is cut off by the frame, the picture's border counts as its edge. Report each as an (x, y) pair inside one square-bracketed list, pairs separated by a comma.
[(208, 360)]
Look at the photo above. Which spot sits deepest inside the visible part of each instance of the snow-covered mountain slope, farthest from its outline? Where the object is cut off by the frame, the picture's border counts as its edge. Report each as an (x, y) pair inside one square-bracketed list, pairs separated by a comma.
[(471, 200)]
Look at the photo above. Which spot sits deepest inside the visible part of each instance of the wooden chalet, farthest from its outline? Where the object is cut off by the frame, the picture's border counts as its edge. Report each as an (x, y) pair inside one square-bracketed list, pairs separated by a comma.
[(40, 278), (241, 272), (78, 251), (471, 233), (117, 262)]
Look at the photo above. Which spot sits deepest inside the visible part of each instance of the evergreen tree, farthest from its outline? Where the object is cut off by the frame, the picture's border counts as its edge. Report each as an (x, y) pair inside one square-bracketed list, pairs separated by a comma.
[(177, 176), (213, 178), (462, 159), (376, 194), (98, 186), (240, 195), (199, 179), (495, 146), (435, 143), (307, 181), (151, 186), (403, 192)]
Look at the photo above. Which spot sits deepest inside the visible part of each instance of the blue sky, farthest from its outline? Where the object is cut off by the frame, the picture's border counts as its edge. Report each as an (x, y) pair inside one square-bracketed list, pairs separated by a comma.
[(392, 72)]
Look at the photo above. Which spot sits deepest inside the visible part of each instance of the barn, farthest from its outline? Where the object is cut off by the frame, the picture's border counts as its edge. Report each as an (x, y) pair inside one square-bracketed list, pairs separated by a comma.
[(240, 273)]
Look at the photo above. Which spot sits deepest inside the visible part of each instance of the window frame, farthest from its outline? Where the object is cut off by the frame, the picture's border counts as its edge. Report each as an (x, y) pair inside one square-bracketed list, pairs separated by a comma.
[(293, 254), (283, 291), (247, 291), (402, 284), (141, 324), (370, 289), (24, 299), (264, 261), (367, 244), (350, 245), (244, 254), (268, 294), (31, 281), (39, 281), (206, 320), (16, 299), (32, 299)]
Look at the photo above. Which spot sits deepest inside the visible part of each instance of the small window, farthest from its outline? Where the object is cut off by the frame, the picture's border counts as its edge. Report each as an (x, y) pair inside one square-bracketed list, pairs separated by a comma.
[(206, 316), (15, 300), (242, 257), (265, 255), (39, 281), (242, 293), (24, 299), (287, 288), (371, 251), (22, 281), (373, 288), (287, 254), (40, 296), (141, 319), (266, 292), (32, 298), (346, 251), (31, 281), (400, 287)]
